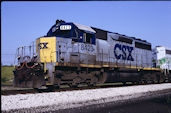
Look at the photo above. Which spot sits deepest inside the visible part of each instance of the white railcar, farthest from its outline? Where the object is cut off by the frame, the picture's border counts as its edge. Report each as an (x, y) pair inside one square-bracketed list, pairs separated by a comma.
[(162, 55)]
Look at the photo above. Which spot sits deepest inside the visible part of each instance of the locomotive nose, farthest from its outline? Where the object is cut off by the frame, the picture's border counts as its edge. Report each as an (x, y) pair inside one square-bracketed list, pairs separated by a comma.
[(29, 75)]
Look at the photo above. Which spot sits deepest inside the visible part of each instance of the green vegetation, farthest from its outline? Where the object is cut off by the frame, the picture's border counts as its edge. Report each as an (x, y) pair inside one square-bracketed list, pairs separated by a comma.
[(7, 75)]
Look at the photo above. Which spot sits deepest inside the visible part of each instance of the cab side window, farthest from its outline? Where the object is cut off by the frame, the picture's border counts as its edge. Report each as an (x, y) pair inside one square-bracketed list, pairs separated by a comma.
[(87, 38)]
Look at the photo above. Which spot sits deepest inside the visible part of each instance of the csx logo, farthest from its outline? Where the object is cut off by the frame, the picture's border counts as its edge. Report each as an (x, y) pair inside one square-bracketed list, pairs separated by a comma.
[(125, 49), (43, 45)]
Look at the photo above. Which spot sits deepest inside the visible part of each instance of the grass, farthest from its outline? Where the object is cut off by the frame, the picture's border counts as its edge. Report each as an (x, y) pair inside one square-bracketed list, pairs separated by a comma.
[(7, 75)]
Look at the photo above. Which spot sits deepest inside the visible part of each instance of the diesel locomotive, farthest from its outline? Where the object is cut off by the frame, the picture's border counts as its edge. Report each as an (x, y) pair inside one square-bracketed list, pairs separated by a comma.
[(73, 54)]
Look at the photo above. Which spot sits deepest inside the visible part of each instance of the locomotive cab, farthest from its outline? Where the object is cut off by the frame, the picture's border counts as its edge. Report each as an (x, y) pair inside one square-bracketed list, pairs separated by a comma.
[(74, 31), (66, 44), (72, 40)]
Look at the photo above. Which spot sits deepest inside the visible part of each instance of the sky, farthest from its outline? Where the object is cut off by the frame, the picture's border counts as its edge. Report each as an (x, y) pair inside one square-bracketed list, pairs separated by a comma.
[(23, 22)]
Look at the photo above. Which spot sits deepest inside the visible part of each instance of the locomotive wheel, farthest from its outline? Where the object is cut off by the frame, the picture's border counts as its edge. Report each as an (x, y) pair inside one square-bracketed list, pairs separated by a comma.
[(102, 78), (76, 81), (50, 88), (141, 82), (94, 80), (160, 78), (133, 82), (145, 81), (124, 83), (169, 78), (137, 82), (72, 86), (90, 85), (163, 78), (58, 81)]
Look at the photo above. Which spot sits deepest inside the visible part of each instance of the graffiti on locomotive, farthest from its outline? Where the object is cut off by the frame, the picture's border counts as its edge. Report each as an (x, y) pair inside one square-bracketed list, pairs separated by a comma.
[(123, 52)]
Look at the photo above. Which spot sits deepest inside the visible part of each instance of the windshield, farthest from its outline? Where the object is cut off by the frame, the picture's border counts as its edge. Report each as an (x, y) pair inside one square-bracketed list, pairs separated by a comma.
[(63, 33)]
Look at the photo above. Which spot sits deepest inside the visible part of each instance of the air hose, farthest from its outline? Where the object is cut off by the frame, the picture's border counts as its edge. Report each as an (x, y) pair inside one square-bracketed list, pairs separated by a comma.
[(25, 63)]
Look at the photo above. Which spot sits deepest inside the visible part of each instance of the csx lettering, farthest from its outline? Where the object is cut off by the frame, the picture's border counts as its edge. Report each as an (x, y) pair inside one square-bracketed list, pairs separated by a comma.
[(43, 45), (124, 55)]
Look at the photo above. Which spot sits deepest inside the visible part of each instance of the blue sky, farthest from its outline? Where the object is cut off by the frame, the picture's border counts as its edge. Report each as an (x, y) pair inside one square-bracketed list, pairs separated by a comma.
[(23, 22)]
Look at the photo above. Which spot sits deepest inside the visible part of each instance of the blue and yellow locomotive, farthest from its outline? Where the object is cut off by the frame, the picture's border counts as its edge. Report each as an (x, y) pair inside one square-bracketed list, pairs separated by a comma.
[(76, 54)]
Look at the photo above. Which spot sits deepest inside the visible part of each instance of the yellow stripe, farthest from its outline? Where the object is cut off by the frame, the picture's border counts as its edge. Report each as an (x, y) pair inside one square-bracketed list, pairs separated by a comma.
[(99, 66), (105, 65), (151, 68), (49, 84), (90, 65), (133, 67)]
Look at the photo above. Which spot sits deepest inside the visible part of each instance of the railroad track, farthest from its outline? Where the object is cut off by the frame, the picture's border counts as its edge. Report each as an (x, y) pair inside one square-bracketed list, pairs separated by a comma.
[(63, 88)]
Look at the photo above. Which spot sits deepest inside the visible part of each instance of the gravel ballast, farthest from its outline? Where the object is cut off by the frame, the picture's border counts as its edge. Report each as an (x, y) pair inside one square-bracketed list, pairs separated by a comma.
[(72, 99)]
